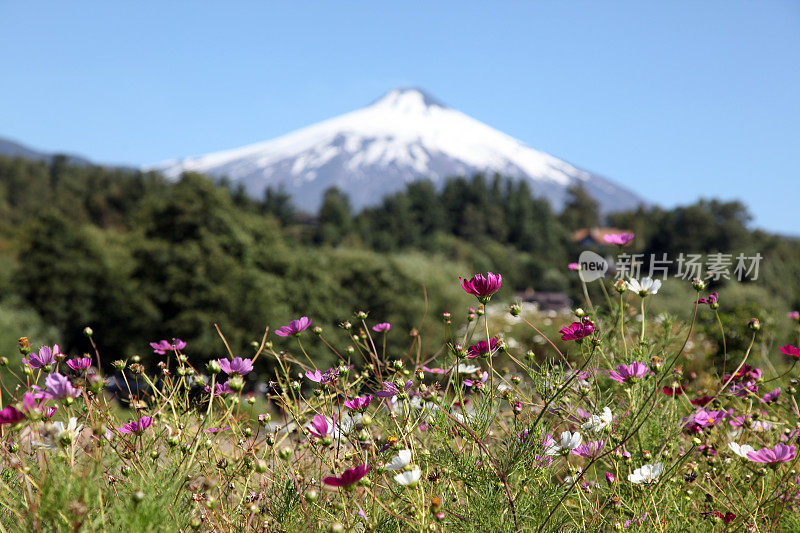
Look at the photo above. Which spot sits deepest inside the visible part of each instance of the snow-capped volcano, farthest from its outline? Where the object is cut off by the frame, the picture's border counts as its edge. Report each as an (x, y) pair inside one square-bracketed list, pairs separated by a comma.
[(404, 136)]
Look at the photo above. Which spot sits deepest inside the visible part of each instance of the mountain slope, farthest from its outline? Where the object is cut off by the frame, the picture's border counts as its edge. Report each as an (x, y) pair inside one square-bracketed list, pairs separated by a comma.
[(404, 136), (9, 148)]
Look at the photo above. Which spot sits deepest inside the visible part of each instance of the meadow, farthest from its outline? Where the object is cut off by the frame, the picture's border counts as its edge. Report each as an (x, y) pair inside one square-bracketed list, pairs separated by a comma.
[(611, 417)]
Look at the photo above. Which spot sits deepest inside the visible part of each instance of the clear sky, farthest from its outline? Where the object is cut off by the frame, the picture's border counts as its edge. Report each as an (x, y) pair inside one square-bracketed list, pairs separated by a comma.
[(673, 99)]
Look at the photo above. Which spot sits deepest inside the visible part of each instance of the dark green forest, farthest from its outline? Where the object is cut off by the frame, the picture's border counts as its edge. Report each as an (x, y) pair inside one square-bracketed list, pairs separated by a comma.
[(139, 258)]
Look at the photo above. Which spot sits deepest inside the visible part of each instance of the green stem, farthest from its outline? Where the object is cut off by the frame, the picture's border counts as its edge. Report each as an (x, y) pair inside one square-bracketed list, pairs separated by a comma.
[(644, 322)]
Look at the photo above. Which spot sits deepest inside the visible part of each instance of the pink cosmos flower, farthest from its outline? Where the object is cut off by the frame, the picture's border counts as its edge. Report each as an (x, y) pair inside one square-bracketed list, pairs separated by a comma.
[(163, 346), (470, 382), (746, 373), (321, 426), (701, 402), (294, 327), (390, 389), (577, 330), (434, 370), (574, 266), (236, 366), (10, 415), (45, 357), (631, 372), (137, 426), (794, 315), (220, 389), (216, 430), (673, 391), (482, 286), (790, 350), (348, 477), (703, 419), (81, 364), (482, 348), (58, 387), (781, 453), (589, 450), (323, 377), (360, 403), (771, 396), (620, 239), (383, 326), (712, 300)]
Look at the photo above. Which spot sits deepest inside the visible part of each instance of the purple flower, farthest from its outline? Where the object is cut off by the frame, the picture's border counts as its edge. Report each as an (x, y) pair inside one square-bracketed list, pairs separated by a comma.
[(434, 370), (45, 357), (620, 239), (781, 453), (746, 373), (482, 349), (577, 330), (574, 266), (771, 396), (383, 326), (294, 327), (348, 477), (58, 387), (359, 404), (137, 426), (483, 287), (794, 315), (703, 419), (589, 450), (236, 366), (390, 389), (220, 389), (321, 426), (81, 364), (216, 430), (631, 372), (163, 346)]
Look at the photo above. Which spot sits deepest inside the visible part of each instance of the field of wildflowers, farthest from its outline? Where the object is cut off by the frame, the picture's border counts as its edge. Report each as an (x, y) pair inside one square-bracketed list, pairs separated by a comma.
[(614, 420)]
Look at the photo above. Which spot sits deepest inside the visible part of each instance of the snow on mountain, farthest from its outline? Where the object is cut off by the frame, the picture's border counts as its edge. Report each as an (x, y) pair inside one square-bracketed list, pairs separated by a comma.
[(404, 136)]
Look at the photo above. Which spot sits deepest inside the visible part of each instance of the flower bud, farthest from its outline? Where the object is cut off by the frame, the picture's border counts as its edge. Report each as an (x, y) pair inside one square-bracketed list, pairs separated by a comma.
[(24, 345), (88, 331), (137, 496), (213, 367), (515, 310), (620, 286), (236, 383), (580, 313), (754, 324), (285, 453), (317, 330), (311, 496), (698, 284), (119, 365)]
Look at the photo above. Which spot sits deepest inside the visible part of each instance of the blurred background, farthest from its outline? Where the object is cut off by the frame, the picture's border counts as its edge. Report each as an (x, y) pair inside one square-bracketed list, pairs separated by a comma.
[(167, 166)]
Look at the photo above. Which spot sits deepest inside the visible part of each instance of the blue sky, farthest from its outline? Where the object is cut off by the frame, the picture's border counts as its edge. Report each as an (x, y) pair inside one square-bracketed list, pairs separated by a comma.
[(675, 100)]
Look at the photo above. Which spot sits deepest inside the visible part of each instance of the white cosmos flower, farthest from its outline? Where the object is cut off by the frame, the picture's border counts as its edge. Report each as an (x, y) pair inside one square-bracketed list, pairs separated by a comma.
[(646, 474), (408, 478), (402, 458), (567, 442), (467, 369), (51, 436), (598, 422), (741, 449), (645, 286)]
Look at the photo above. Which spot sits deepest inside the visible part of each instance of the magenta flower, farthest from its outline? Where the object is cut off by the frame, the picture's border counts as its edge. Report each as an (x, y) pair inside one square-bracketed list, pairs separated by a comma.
[(620, 239), (236, 366), (434, 370), (81, 364), (631, 372), (482, 287), (137, 426), (574, 266), (58, 387), (482, 349), (383, 326), (781, 453), (163, 346), (294, 327), (10, 415), (746, 373), (216, 430), (390, 389), (323, 377), (45, 357), (790, 350), (577, 330), (703, 419), (321, 426), (794, 315), (589, 450), (712, 300), (360, 403), (348, 477)]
